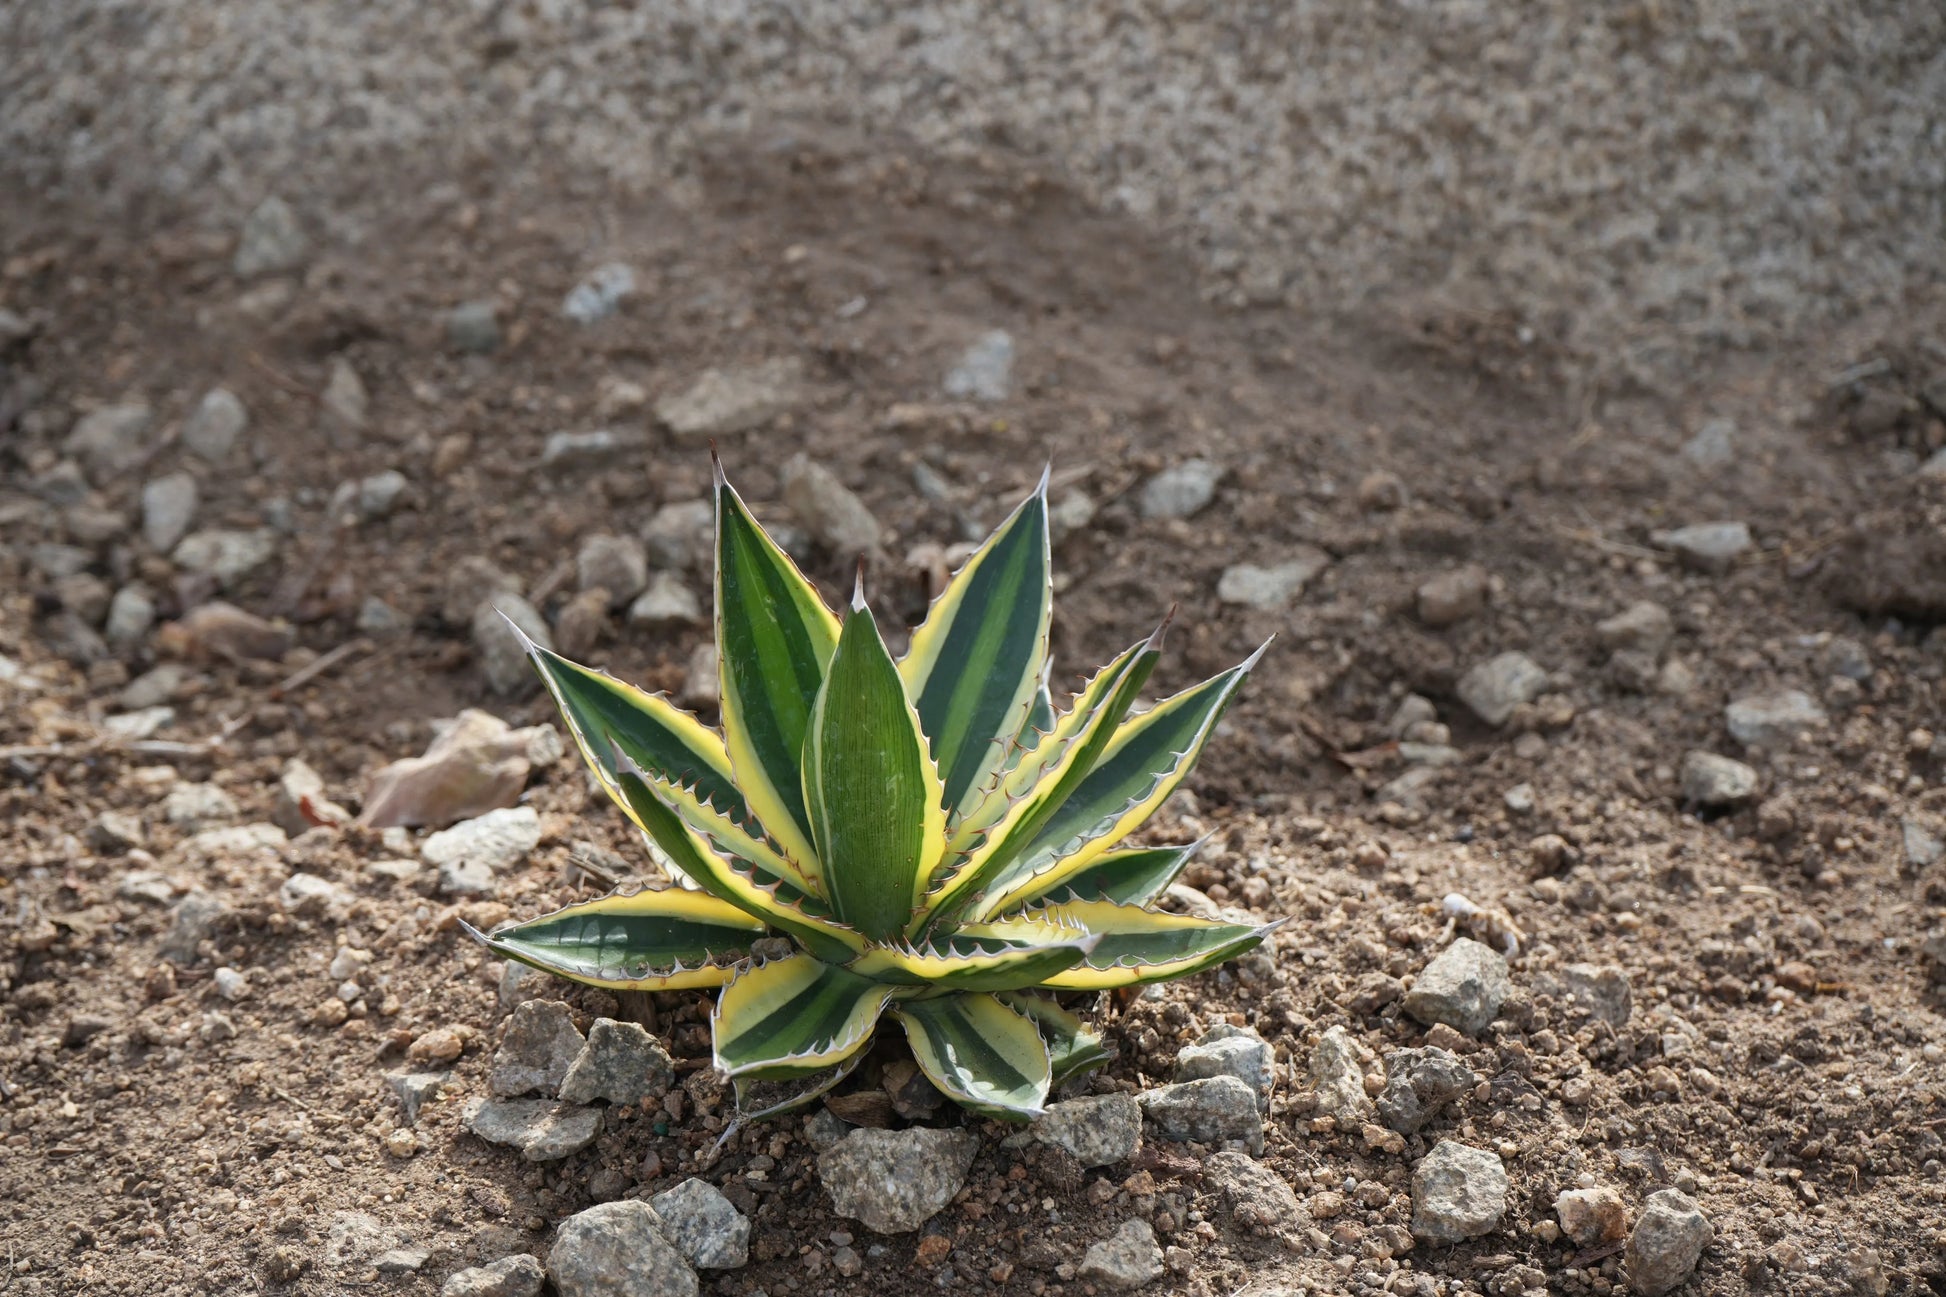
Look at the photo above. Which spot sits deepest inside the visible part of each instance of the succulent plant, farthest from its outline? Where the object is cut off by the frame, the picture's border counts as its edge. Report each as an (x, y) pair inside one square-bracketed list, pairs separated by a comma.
[(925, 837)]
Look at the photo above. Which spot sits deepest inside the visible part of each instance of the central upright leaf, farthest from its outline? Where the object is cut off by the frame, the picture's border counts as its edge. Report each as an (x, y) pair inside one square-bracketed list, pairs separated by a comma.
[(870, 786)]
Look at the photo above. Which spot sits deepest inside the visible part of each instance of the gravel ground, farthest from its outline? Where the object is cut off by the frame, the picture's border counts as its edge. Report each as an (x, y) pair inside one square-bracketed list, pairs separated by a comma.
[(1635, 184)]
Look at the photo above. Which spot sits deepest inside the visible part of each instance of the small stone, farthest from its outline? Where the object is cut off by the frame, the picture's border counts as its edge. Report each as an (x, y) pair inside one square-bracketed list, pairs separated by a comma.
[(541, 1129), (1591, 1217), (985, 370), (380, 620), (824, 1128), (1463, 987), (1923, 847), (345, 404), (1127, 1259), (1713, 445), (131, 612), (621, 1063), (193, 921), (1453, 597), (111, 438), (85, 595), (1418, 1083), (1604, 992), (271, 241), (1381, 491), (723, 401), (154, 688), (617, 564), (467, 878), (681, 535), (222, 632), (368, 499), (229, 556), (1271, 587), (697, 1217), (1667, 1241), (581, 624), (699, 680), (503, 651), (477, 764), (1712, 781), (1773, 720), (1339, 1079), (1645, 627), (1180, 490), (1260, 1199), (473, 327), (195, 806), (617, 1250), (568, 452), (829, 510), (520, 1275), (65, 485), (230, 984), (116, 831), (440, 1045), (402, 1260), (1100, 1130), (1494, 688), (540, 1046), (168, 510), (213, 427), (1206, 1111), (301, 803), (896, 1181), (1848, 659), (1225, 1050), (667, 602), (1458, 1192), (1711, 547), (307, 895), (600, 294), (415, 1090), (499, 839)]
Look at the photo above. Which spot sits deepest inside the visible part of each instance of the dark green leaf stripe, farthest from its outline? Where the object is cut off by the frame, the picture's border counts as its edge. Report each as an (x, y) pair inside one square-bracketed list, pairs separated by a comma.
[(870, 787), (1071, 1047), (808, 1028), (985, 657), (1133, 877), (623, 938), (1129, 949), (975, 963), (980, 1052)]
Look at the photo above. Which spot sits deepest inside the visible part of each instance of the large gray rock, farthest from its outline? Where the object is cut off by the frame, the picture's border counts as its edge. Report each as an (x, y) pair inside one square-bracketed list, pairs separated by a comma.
[(618, 1250), (1225, 1050), (1458, 1192), (542, 1130), (738, 399), (1667, 1241), (894, 1181), (540, 1046), (1716, 782), (503, 654), (499, 839), (1125, 1260), (1097, 1131), (1463, 987), (1418, 1083), (697, 1217), (621, 1063), (1207, 1111), (829, 510), (1773, 720), (1339, 1079), (1259, 1199), (1494, 688), (1180, 490), (519, 1275)]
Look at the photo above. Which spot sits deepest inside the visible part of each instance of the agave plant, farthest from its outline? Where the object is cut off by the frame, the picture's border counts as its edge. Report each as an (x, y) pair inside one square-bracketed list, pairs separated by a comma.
[(925, 836)]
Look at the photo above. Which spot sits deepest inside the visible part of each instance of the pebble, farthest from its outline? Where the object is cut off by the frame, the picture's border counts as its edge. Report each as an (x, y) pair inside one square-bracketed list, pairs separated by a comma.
[(402, 1260), (696, 1216), (499, 839), (617, 564), (699, 678), (896, 1181), (824, 1128), (621, 1063), (828, 509), (1180, 490), (1259, 1198), (311, 896), (1463, 987), (230, 984), (1271, 587), (1458, 1192), (368, 499), (1935, 465), (270, 242), (63, 485), (301, 803), (667, 602), (1126, 1259), (440, 1045), (722, 401), (1495, 687), (116, 831), (503, 654), (1591, 1217), (1339, 1079), (1603, 991), (567, 452), (1100, 1130), (110, 439), (985, 370), (1715, 782), (1923, 847), (1225, 1050), (681, 535), (1847, 658), (154, 688), (1207, 1111), (477, 764), (473, 327), (1711, 547), (194, 806), (617, 1250), (1713, 445), (1667, 1241), (379, 619), (1643, 626), (193, 921), (1776, 719), (344, 404), (168, 510), (131, 612), (222, 632), (415, 1090), (212, 429), (1418, 1083), (227, 555), (600, 293), (1382, 491), (541, 1129), (581, 624), (520, 1275), (1453, 597)]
